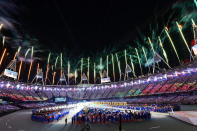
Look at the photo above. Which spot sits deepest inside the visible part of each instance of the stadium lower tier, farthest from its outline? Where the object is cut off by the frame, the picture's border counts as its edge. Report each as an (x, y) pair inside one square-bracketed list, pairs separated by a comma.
[(4, 109)]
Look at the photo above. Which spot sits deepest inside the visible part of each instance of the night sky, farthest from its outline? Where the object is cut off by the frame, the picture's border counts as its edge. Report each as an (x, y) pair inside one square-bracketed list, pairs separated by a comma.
[(85, 26)]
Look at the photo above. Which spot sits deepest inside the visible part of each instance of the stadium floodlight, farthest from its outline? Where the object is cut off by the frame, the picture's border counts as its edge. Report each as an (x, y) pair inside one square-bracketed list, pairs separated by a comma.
[(21, 88), (160, 78), (165, 76), (155, 79), (188, 71), (175, 74), (36, 87), (18, 86), (8, 84)]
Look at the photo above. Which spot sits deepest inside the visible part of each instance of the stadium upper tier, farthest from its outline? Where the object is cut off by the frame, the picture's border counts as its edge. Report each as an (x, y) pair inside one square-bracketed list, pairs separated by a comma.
[(180, 79)]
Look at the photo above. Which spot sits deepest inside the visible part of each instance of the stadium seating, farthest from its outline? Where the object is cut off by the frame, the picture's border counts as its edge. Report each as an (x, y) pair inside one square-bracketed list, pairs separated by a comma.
[(182, 79), (8, 108)]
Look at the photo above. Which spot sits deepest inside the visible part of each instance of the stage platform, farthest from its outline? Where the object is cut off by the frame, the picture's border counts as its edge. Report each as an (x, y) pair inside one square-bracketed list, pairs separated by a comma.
[(186, 116)]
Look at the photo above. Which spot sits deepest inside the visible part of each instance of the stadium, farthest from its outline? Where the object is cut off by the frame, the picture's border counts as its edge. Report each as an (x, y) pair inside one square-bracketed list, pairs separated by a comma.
[(145, 81)]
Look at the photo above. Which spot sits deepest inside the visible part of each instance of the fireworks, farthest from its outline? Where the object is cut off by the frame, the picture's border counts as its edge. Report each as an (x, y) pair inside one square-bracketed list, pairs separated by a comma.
[(139, 61), (119, 68), (151, 45), (1, 26), (193, 22), (101, 67), (94, 72), (107, 65), (132, 66), (54, 74), (194, 25), (144, 52), (56, 60), (61, 63), (180, 30), (88, 69), (27, 52), (75, 76), (38, 66), (172, 43), (47, 71), (3, 41), (49, 57), (163, 50), (81, 69), (114, 75), (2, 57), (17, 52), (32, 52), (20, 66), (21, 63), (195, 2), (68, 71), (125, 54)]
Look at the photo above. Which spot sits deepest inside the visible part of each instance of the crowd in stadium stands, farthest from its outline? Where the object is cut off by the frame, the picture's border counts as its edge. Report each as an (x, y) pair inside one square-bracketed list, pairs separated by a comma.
[(18, 97), (49, 114), (6, 108), (99, 115), (36, 105), (171, 98), (180, 80)]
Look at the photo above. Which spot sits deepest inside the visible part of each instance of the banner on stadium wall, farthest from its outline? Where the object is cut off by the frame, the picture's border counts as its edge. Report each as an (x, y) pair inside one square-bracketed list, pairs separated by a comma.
[(105, 80), (194, 49), (11, 74), (111, 103)]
